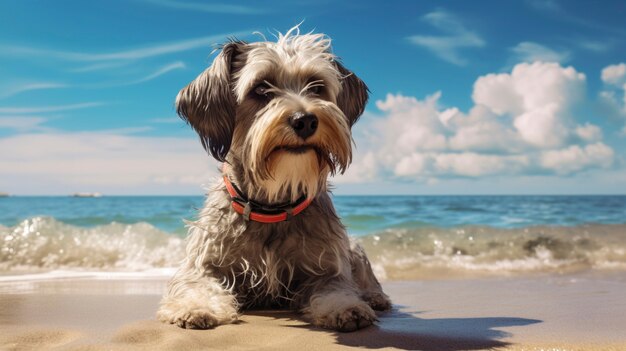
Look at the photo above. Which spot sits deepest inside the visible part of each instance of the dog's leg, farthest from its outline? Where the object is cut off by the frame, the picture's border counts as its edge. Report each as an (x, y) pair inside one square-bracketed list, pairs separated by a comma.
[(364, 277), (337, 305), (195, 299), (197, 302)]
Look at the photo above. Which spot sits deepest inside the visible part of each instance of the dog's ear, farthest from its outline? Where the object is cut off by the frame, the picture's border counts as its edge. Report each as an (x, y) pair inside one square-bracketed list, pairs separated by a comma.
[(353, 96), (208, 103)]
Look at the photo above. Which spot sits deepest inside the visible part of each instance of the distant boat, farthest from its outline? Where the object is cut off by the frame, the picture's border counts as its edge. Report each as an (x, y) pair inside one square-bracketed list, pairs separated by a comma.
[(4, 194), (86, 195)]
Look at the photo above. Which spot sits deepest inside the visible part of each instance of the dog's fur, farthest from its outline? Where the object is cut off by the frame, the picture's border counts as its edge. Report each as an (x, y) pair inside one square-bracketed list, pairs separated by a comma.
[(307, 263)]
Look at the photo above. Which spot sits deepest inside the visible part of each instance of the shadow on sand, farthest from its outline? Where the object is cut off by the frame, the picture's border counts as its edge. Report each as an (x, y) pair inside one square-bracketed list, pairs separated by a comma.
[(405, 331)]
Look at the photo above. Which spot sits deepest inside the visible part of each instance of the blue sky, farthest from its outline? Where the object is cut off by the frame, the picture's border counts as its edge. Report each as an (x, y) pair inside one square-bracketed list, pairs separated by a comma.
[(486, 97)]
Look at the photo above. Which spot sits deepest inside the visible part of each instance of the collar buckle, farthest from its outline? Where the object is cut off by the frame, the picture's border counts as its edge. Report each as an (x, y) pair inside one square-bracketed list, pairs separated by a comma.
[(247, 209)]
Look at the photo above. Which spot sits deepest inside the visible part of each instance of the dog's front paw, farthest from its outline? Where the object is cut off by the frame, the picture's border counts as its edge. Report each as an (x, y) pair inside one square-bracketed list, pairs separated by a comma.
[(354, 318), (349, 319), (344, 317), (196, 317)]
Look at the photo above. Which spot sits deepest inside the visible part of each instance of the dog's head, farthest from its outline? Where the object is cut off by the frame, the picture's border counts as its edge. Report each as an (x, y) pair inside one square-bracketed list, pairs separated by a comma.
[(280, 111)]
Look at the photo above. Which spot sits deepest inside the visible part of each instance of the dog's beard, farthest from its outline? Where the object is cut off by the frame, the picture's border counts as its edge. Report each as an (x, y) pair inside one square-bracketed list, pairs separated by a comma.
[(293, 174), (281, 165)]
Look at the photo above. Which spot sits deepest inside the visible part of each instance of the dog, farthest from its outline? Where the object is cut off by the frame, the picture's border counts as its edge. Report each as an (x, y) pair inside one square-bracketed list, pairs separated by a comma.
[(278, 115)]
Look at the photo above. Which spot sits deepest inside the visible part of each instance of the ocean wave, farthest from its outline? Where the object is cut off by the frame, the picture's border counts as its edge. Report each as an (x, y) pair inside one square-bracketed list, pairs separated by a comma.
[(45, 244), (478, 250)]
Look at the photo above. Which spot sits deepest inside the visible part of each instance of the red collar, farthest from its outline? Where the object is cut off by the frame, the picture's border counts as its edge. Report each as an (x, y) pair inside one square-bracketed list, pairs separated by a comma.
[(262, 214)]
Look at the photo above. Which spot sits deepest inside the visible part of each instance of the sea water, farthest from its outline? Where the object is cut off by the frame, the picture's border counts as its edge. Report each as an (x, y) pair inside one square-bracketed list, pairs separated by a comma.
[(406, 237)]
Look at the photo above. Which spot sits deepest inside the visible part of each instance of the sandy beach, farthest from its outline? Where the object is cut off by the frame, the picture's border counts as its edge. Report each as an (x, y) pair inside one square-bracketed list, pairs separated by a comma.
[(551, 312)]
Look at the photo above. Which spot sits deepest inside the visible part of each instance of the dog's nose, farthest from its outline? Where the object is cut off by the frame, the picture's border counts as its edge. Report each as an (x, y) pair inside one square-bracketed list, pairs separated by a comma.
[(304, 124)]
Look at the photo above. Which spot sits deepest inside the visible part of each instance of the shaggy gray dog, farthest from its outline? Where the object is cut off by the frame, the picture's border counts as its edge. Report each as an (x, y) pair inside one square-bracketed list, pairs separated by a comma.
[(279, 115)]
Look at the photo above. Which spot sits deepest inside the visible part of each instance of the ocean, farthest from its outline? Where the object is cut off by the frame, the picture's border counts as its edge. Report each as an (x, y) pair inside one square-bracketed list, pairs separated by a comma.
[(406, 237)]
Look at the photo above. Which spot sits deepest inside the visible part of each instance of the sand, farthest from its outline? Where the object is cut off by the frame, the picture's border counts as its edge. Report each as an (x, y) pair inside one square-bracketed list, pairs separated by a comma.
[(569, 312)]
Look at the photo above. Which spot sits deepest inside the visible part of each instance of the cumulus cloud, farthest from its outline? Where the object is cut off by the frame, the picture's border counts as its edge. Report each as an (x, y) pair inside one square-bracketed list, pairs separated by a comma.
[(104, 162), (589, 133), (614, 74), (613, 98), (447, 46), (425, 133), (522, 122), (539, 97), (576, 158)]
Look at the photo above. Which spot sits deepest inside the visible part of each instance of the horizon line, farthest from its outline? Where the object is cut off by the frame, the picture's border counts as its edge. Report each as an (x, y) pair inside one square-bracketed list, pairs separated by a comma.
[(381, 195)]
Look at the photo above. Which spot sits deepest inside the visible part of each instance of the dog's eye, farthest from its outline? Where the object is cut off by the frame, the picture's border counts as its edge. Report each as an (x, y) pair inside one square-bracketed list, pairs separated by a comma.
[(315, 89), (263, 90)]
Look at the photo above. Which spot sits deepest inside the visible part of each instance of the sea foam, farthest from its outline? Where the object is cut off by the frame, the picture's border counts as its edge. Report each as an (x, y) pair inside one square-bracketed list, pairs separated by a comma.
[(46, 243), (439, 252), (43, 244)]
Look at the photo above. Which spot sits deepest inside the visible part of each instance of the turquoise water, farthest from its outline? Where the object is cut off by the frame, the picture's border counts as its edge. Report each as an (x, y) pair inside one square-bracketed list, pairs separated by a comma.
[(361, 214), (366, 214), (406, 237), (163, 212)]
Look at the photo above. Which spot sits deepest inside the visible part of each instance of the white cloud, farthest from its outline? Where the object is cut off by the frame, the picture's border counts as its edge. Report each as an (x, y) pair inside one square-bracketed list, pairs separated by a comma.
[(14, 89), (99, 66), (473, 165), (542, 127), (522, 123), (44, 109), (594, 46), (614, 74), (530, 52), (206, 7), (166, 120), (483, 131), (123, 131), (412, 165), (589, 132), (159, 72), (447, 46), (466, 164), (22, 123), (106, 162), (130, 54), (575, 158), (539, 96), (613, 98), (420, 122)]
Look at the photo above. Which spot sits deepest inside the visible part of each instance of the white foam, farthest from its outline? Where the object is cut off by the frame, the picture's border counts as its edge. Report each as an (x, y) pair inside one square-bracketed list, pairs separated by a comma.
[(412, 253), (45, 243), (139, 250)]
